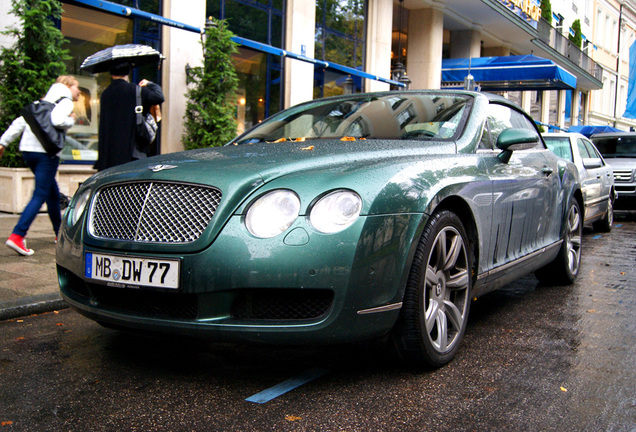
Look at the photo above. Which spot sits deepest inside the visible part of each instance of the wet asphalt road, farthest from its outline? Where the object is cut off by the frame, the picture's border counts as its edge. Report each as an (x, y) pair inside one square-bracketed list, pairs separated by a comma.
[(535, 358)]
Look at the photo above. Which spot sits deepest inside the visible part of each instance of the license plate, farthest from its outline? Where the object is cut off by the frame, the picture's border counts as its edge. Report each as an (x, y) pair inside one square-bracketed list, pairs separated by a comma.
[(129, 271)]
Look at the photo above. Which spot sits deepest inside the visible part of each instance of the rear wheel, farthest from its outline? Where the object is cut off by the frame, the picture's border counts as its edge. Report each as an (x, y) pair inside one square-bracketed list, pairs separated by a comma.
[(605, 224), (437, 298), (565, 267)]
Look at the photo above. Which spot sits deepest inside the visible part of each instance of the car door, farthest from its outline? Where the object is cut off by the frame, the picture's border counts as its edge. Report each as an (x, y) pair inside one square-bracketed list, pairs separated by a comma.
[(524, 190), (595, 181)]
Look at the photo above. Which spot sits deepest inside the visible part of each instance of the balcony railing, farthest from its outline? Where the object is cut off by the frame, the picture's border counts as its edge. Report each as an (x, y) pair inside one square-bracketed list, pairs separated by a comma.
[(553, 38)]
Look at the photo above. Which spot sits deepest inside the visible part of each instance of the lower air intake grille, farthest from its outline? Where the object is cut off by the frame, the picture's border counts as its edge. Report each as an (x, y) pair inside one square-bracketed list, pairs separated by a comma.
[(282, 304), (145, 303), (152, 212)]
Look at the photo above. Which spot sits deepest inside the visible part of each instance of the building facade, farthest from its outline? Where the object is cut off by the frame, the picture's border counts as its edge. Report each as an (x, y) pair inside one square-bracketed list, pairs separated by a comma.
[(296, 50)]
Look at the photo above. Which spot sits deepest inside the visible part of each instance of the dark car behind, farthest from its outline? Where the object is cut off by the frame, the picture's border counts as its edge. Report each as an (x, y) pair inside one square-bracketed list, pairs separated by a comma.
[(619, 150)]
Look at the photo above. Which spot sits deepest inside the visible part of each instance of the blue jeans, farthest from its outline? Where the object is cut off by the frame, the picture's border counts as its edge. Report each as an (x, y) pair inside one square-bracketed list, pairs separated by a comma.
[(46, 191)]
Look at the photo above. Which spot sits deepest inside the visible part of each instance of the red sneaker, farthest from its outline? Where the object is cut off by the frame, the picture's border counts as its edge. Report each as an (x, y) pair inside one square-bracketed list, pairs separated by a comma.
[(18, 244)]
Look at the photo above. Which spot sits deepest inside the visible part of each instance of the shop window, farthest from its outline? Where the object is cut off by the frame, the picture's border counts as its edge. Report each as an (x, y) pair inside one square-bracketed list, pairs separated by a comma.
[(88, 31), (258, 93), (259, 73), (340, 31), (340, 38), (260, 20)]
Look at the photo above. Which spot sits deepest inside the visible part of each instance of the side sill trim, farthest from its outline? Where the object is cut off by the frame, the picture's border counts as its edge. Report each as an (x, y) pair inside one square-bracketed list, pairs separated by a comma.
[(519, 261)]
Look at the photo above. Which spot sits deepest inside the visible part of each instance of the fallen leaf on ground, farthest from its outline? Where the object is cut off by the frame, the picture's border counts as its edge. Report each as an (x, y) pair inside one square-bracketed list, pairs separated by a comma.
[(563, 389), (591, 311), (6, 423), (292, 418), (308, 148)]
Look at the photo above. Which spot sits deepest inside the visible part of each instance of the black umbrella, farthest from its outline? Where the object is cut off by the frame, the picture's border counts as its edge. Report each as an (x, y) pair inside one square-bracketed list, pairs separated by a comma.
[(135, 54)]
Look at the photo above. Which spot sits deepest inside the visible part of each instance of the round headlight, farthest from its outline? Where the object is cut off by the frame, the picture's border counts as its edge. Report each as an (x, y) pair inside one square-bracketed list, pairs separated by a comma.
[(272, 213), (78, 206), (336, 211)]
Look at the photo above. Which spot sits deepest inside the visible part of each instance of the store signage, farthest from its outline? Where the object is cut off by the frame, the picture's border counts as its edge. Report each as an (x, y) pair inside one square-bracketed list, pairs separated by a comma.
[(530, 10)]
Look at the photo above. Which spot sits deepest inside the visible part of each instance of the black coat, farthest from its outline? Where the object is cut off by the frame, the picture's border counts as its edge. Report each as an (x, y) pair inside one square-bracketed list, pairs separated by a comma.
[(117, 138)]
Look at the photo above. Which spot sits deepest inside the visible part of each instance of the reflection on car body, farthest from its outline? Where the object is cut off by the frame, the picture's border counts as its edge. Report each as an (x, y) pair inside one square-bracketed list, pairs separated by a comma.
[(337, 220)]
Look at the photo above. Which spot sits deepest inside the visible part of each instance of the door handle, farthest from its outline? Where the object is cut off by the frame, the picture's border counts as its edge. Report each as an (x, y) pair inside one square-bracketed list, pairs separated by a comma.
[(547, 170)]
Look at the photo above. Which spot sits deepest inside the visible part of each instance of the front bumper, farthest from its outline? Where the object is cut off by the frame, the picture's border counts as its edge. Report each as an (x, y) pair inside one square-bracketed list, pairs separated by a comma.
[(303, 287)]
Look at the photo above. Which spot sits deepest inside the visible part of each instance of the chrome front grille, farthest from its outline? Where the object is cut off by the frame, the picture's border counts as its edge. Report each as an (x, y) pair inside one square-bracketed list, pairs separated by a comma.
[(152, 212), (624, 176)]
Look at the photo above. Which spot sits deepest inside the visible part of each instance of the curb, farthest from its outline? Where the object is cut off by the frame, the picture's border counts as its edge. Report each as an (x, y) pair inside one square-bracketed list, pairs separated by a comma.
[(31, 305)]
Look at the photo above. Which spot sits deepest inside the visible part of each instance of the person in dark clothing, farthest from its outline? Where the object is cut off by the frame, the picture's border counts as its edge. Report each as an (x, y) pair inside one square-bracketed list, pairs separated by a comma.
[(117, 128)]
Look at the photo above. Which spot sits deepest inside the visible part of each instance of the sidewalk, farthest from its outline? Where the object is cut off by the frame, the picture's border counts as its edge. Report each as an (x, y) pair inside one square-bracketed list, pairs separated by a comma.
[(28, 285)]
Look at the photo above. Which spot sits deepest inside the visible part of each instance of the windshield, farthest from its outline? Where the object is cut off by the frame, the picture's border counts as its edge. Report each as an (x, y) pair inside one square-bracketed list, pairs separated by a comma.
[(616, 147), (360, 117)]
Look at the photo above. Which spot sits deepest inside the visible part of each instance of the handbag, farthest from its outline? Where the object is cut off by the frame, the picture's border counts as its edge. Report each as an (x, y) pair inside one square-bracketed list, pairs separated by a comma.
[(146, 125), (38, 116)]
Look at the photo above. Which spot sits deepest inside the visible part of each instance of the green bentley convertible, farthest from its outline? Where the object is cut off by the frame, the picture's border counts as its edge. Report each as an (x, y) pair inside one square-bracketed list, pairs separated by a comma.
[(342, 219)]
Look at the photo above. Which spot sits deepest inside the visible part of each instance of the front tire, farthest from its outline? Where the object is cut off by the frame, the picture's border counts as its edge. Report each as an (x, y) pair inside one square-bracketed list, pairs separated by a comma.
[(565, 267), (437, 298)]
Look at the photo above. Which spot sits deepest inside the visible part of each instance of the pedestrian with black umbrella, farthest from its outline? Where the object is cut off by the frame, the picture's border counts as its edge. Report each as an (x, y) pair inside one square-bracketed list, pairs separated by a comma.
[(119, 142)]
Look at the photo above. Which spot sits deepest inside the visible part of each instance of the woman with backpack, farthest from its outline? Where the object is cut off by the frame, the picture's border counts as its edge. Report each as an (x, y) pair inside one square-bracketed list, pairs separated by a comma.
[(63, 93)]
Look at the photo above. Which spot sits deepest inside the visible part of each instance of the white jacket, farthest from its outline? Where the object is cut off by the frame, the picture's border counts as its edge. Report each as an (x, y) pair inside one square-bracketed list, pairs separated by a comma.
[(60, 117)]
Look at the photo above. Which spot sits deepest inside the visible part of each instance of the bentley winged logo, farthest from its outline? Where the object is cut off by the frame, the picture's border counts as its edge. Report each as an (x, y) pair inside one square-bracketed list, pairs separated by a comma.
[(161, 167)]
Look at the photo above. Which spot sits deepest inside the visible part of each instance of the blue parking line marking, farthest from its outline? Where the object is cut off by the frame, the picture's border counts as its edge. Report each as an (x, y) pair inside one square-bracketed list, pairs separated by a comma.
[(618, 225), (286, 386), (596, 237)]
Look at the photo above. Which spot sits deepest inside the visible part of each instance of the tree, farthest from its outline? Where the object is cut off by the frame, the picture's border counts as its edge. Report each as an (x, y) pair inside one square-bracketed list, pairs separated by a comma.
[(210, 113), (577, 37), (30, 66), (546, 11)]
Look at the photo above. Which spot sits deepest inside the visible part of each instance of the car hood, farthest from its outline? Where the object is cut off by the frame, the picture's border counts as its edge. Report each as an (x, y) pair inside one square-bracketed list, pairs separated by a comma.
[(621, 163), (309, 167), (238, 170)]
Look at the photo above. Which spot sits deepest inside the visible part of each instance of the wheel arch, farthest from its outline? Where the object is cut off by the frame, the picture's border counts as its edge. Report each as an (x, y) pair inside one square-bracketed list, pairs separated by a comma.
[(464, 212)]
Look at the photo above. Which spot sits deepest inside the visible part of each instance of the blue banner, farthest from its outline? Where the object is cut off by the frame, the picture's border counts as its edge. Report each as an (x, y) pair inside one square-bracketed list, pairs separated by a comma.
[(630, 111)]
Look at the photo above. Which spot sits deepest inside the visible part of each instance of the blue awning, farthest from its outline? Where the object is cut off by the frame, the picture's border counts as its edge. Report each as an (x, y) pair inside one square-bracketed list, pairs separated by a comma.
[(588, 131), (507, 73)]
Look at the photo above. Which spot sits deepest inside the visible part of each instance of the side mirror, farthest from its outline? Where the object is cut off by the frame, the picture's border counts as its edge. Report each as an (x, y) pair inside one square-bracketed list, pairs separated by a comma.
[(515, 139), (592, 163)]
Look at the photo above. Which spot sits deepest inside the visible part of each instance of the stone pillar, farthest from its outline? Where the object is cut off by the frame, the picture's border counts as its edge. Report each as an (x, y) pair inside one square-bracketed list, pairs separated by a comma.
[(300, 30), (465, 44), (574, 115), (526, 101), (545, 107), (426, 37), (561, 109), (585, 107), (379, 29), (180, 48)]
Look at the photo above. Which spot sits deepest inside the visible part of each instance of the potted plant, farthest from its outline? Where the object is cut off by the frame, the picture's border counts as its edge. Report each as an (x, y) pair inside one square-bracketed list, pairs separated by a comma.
[(210, 114)]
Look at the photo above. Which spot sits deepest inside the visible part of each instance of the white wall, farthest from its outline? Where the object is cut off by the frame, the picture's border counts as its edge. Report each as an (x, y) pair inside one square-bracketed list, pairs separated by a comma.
[(6, 20), (180, 47)]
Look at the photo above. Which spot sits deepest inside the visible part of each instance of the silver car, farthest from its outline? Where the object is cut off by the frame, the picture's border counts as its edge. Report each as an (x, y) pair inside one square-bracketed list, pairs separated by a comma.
[(597, 178)]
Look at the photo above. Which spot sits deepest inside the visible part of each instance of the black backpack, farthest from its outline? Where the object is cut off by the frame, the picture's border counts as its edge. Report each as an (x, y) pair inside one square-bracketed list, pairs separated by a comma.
[(38, 116)]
